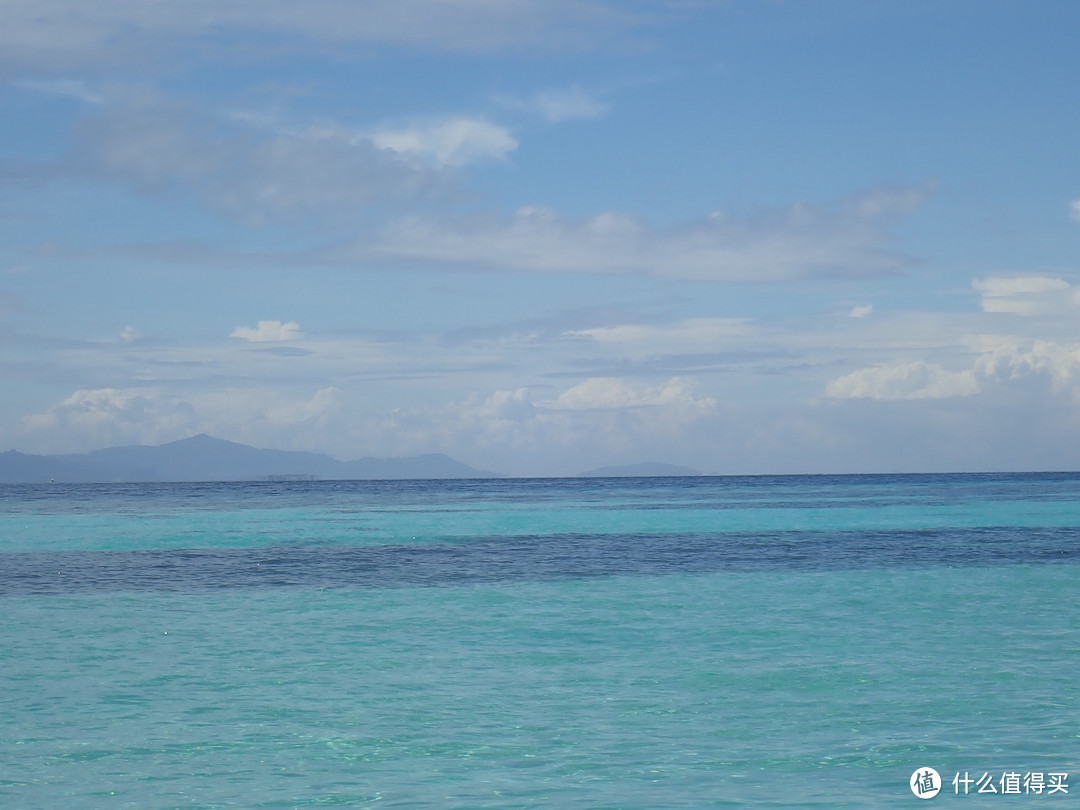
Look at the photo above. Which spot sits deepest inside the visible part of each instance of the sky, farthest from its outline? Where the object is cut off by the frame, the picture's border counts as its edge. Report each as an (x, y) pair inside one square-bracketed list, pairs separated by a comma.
[(543, 236)]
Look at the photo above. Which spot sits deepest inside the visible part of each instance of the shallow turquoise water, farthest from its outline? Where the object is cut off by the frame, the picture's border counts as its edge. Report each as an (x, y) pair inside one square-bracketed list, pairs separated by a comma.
[(694, 681)]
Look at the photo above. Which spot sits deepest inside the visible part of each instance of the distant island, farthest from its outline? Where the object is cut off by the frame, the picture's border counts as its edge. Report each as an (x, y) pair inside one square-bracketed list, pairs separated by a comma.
[(644, 470), (204, 458)]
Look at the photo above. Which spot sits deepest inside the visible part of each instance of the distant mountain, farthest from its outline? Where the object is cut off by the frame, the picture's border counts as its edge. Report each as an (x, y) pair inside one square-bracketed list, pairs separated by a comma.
[(644, 470), (204, 458)]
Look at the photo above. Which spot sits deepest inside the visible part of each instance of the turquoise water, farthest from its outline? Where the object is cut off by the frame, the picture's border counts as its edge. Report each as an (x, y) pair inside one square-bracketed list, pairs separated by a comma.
[(647, 643)]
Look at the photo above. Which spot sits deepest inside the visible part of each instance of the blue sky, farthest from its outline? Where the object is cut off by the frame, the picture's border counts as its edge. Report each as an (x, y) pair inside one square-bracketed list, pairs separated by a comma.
[(747, 237)]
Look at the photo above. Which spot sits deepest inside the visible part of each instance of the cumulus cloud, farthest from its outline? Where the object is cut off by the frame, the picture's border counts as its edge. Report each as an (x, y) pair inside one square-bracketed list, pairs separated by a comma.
[(93, 418), (910, 380), (861, 311), (451, 142), (268, 331), (799, 241), (1058, 363), (1074, 210), (1032, 369)]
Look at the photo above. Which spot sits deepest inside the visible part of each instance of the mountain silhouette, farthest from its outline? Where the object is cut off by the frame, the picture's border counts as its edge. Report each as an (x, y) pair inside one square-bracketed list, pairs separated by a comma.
[(204, 458)]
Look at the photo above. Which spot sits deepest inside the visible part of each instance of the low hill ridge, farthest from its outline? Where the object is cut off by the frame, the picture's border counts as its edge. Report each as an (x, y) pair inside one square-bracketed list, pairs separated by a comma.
[(205, 458)]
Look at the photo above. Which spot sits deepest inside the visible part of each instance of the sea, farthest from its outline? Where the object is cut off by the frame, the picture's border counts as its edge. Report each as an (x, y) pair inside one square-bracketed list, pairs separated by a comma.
[(792, 641)]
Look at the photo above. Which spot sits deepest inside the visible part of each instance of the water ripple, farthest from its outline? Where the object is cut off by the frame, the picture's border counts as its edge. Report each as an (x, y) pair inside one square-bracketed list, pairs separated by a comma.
[(526, 558)]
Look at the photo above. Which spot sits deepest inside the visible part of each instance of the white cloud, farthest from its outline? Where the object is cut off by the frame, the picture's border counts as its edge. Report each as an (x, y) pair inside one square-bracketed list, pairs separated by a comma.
[(861, 311), (586, 421), (259, 171), (597, 418), (1001, 287), (1022, 369), (1025, 295), (93, 418), (70, 88), (268, 331), (910, 380), (51, 34), (1074, 210), (129, 334), (692, 335), (240, 168), (609, 393), (1058, 363), (558, 104), (452, 142), (799, 241), (538, 429)]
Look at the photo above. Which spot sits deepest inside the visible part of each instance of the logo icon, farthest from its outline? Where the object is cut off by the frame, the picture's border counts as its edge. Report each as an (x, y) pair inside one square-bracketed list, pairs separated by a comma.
[(925, 783)]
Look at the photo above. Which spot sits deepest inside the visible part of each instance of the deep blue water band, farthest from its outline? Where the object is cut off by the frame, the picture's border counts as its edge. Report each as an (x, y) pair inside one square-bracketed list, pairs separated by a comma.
[(524, 558)]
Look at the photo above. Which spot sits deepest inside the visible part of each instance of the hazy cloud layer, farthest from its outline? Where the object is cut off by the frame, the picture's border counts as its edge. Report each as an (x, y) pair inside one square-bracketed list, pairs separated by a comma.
[(600, 414), (94, 418), (165, 146), (692, 335), (848, 239), (65, 34), (262, 170), (450, 142), (556, 105), (492, 218), (621, 419), (318, 401)]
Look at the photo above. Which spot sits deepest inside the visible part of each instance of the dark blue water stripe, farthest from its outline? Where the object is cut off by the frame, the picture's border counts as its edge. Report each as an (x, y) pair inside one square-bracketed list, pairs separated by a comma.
[(524, 558), (792, 491)]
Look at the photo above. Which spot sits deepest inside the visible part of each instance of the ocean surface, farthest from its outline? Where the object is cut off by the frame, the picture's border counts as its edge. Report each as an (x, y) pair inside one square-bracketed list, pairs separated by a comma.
[(803, 641)]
